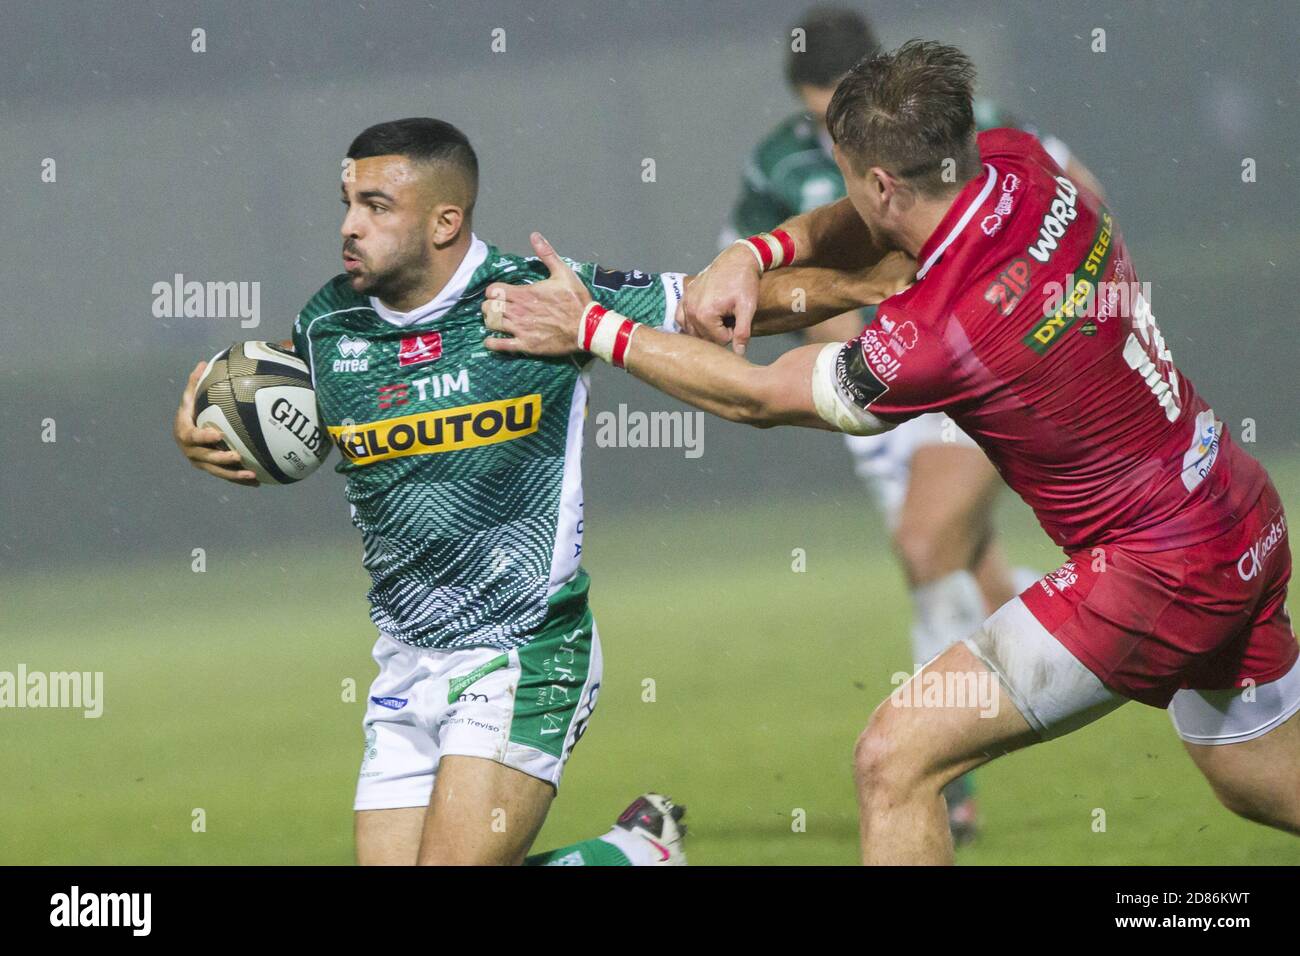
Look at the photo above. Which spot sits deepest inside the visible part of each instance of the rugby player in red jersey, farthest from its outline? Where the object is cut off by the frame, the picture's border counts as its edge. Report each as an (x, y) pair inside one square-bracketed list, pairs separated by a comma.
[(1023, 325)]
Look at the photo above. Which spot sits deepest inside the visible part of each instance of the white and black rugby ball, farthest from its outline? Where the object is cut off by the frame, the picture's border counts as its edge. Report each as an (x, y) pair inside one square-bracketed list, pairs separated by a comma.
[(260, 397)]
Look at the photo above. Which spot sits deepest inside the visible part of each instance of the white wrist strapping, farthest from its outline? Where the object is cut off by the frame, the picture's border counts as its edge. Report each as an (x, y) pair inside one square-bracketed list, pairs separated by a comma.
[(605, 334)]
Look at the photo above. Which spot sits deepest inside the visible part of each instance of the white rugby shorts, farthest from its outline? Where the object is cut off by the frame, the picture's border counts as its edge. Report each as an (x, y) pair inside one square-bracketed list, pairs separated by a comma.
[(525, 708)]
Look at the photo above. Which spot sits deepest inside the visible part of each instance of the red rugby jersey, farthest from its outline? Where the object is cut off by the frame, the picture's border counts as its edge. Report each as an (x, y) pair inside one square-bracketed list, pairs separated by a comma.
[(1028, 326)]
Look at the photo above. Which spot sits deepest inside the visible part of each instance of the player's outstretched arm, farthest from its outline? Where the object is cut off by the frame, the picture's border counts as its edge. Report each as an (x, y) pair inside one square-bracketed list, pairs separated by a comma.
[(202, 446), (720, 305), (794, 299), (556, 315), (726, 384)]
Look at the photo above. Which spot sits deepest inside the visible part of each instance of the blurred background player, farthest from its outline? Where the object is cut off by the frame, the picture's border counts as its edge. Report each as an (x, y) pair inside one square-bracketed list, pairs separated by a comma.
[(932, 484)]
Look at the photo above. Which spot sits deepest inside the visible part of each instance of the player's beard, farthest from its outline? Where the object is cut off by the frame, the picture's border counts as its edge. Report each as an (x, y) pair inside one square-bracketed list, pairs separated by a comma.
[(411, 265)]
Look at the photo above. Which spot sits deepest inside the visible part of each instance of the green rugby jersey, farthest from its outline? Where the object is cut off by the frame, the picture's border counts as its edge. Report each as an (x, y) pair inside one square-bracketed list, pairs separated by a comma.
[(463, 466), (791, 171)]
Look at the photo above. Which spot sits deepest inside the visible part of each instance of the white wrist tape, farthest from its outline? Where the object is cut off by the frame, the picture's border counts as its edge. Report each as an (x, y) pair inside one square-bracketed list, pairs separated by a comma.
[(772, 249), (605, 334)]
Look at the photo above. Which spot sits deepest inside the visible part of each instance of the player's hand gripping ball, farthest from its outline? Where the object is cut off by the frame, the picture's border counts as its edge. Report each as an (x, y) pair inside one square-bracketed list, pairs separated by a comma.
[(260, 397)]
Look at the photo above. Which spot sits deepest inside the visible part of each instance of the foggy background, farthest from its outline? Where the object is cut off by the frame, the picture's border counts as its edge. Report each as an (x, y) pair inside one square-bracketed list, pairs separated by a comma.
[(224, 166)]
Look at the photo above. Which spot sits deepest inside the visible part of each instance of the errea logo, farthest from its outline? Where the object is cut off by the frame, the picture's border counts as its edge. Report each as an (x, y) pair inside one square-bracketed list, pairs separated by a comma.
[(352, 351)]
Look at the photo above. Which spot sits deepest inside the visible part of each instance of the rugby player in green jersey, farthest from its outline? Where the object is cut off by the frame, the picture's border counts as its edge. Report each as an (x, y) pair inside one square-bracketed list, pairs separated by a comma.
[(932, 484), (464, 477)]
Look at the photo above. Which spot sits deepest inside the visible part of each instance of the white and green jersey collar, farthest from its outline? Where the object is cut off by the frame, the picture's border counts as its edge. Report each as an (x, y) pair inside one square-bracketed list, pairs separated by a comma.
[(448, 296)]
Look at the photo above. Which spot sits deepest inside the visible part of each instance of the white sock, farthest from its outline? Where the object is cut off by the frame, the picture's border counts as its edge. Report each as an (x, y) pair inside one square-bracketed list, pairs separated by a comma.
[(944, 612)]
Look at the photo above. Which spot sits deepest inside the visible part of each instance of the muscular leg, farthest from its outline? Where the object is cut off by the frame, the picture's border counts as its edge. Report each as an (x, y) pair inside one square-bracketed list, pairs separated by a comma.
[(907, 754), (482, 813), (1258, 779), (957, 713), (388, 837)]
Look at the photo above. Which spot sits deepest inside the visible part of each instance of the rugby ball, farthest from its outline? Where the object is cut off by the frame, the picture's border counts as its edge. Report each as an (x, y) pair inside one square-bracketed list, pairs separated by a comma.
[(260, 397)]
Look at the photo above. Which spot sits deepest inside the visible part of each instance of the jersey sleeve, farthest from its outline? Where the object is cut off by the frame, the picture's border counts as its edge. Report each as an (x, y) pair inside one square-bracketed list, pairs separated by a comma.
[(890, 373), (331, 297), (299, 337), (646, 297), (301, 347)]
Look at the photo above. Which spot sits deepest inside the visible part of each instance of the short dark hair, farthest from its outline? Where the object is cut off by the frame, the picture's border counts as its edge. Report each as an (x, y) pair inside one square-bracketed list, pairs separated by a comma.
[(420, 139), (835, 39), (908, 111)]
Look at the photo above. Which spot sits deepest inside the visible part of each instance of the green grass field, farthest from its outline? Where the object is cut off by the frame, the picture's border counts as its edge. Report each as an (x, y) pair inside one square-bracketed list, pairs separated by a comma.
[(223, 691)]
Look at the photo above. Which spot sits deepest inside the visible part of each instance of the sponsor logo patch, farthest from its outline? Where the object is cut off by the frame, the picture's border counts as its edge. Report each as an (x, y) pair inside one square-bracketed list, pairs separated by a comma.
[(1056, 582), (456, 688), (390, 396), (352, 348), (447, 429), (392, 703), (614, 281), (1056, 220), (1064, 576), (1050, 329), (875, 351), (856, 382), (420, 349), (352, 351), (673, 289), (1249, 564), (902, 336), (992, 223), (1011, 283), (1203, 451)]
